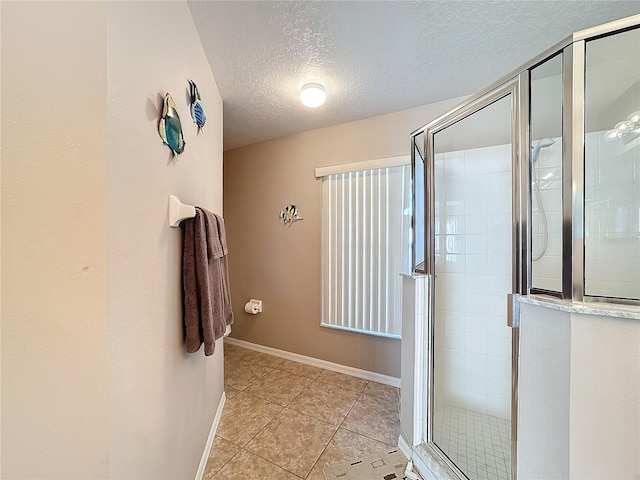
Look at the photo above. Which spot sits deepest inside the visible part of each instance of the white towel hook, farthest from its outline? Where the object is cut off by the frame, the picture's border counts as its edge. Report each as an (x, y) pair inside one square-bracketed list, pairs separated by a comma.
[(178, 211)]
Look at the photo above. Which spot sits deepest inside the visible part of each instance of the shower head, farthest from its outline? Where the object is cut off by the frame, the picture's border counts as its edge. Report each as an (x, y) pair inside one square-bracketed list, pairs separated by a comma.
[(539, 145)]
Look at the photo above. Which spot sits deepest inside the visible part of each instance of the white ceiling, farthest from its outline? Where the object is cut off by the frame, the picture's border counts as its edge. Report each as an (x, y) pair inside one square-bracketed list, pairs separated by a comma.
[(373, 57)]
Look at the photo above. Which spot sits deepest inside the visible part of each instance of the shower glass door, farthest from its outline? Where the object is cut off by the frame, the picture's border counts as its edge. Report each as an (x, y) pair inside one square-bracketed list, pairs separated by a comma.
[(472, 243)]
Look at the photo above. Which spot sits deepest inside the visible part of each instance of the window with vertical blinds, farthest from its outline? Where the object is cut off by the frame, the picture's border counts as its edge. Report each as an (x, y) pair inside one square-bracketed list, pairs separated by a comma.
[(366, 244)]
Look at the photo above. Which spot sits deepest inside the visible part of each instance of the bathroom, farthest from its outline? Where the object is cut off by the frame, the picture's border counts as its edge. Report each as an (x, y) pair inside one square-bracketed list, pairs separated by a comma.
[(94, 374)]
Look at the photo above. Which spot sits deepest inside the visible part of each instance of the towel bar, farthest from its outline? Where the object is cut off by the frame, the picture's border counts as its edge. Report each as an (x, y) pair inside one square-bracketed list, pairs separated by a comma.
[(178, 211)]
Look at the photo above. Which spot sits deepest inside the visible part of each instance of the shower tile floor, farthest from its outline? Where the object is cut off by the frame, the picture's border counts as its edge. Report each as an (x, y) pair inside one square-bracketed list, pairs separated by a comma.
[(285, 420), (478, 443)]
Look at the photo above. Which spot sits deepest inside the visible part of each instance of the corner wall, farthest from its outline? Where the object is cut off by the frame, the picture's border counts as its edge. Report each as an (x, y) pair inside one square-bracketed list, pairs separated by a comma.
[(162, 400), (95, 379), (282, 265)]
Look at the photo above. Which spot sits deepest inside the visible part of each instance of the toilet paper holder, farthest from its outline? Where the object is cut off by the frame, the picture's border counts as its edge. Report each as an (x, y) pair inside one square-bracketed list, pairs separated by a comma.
[(253, 306)]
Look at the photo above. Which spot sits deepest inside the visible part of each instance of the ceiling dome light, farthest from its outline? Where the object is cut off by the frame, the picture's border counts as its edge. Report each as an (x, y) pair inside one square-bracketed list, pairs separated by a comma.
[(634, 117), (312, 95)]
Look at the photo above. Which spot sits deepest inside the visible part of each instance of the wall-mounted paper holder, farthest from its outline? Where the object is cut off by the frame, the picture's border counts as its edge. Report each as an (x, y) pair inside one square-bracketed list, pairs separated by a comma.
[(178, 211), (253, 306)]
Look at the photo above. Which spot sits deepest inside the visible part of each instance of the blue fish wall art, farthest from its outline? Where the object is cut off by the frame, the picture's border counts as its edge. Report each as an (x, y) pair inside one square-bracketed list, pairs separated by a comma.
[(197, 110), (170, 128)]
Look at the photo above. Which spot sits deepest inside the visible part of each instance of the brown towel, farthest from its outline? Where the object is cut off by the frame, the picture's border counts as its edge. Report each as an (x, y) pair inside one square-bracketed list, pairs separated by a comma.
[(207, 298), (224, 272)]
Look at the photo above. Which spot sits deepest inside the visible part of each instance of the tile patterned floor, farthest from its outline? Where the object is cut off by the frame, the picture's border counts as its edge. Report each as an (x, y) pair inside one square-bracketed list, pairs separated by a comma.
[(478, 443), (284, 420)]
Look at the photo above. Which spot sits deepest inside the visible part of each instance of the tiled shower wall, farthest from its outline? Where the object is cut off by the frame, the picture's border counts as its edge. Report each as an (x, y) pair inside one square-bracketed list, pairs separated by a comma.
[(473, 276), (612, 217), (547, 265), (473, 225)]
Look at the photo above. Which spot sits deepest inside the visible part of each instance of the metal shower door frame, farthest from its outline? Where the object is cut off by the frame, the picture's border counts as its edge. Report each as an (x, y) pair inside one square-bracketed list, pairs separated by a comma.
[(517, 89)]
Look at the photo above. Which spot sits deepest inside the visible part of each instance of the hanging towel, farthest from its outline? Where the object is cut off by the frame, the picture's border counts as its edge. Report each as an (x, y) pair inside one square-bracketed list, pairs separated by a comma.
[(205, 277)]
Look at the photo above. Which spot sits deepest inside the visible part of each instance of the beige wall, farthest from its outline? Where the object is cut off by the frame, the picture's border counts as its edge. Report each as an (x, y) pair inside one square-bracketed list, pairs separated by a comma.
[(162, 400), (96, 383), (54, 241), (281, 265)]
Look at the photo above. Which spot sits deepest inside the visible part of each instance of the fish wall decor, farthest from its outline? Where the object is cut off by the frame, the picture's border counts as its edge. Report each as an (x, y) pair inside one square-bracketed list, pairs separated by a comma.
[(170, 128), (197, 110), (290, 214)]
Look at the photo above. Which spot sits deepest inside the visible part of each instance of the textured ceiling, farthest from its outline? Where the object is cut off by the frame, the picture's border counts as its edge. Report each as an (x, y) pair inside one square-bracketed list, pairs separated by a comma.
[(373, 57)]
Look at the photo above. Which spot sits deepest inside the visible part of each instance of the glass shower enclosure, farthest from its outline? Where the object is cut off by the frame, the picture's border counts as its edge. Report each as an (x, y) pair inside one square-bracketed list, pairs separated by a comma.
[(529, 188)]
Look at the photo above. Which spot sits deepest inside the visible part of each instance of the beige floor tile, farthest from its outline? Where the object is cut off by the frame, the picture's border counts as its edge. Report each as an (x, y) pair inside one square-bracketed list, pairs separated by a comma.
[(376, 418), (385, 392), (244, 416), (342, 380), (246, 466), (233, 352), (346, 446), (241, 374), (301, 369), (235, 359), (264, 359), (221, 452), (326, 402), (292, 441), (316, 474), (231, 392), (278, 387)]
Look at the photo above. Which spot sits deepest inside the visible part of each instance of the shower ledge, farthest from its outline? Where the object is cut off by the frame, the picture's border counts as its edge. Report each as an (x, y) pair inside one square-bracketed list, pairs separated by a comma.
[(602, 309)]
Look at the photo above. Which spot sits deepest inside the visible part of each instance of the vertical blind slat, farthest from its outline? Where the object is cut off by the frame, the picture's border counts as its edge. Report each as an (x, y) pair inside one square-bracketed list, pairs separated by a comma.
[(365, 250), (343, 287), (380, 277), (337, 256), (374, 246)]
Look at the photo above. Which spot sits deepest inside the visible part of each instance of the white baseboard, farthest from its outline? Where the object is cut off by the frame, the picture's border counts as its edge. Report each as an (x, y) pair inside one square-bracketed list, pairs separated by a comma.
[(316, 362), (212, 435)]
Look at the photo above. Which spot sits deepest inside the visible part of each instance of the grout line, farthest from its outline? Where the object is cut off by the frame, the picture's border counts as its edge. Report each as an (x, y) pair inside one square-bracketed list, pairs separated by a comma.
[(225, 463), (370, 437), (269, 461), (322, 453)]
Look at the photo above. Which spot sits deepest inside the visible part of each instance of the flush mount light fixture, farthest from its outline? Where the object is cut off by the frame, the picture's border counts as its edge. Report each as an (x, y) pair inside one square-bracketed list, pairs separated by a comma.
[(312, 95)]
